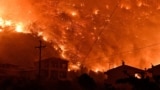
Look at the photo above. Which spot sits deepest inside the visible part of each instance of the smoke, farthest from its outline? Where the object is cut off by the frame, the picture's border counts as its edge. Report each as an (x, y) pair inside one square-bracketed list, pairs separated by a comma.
[(130, 29), (20, 49)]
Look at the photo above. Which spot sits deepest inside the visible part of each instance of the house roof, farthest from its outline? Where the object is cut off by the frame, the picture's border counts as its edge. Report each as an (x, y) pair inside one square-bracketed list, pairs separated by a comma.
[(124, 68), (121, 72), (156, 67)]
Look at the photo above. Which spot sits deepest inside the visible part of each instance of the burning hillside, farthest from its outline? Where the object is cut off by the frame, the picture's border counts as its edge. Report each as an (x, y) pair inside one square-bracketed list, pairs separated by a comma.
[(97, 34)]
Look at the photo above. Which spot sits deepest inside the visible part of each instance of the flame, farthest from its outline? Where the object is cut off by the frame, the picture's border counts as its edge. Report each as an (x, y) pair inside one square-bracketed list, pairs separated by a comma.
[(2, 22), (40, 33), (8, 23), (96, 12), (74, 67), (79, 19), (63, 49), (97, 70), (139, 4), (73, 13), (44, 36), (1, 30), (127, 7), (19, 27)]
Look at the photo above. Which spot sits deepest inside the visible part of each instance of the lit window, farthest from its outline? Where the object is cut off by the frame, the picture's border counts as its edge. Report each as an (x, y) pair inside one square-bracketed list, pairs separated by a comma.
[(137, 75)]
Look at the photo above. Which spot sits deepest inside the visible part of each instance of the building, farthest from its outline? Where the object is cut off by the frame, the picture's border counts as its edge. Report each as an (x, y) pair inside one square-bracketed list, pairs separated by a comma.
[(122, 72), (155, 70), (154, 73), (53, 68), (27, 73), (8, 70)]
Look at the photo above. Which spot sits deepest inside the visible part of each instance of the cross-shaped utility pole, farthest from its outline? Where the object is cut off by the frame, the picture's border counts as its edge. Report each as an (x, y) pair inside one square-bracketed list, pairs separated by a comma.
[(40, 56)]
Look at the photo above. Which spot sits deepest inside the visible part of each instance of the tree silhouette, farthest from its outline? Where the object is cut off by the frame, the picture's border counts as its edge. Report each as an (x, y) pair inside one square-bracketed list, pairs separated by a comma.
[(86, 82)]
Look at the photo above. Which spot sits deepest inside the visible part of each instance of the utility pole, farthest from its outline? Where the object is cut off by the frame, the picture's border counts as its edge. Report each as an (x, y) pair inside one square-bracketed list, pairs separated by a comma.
[(109, 65), (40, 56)]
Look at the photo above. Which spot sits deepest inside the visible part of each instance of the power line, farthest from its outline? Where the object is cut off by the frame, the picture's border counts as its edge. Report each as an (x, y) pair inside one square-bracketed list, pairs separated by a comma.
[(137, 49), (110, 17)]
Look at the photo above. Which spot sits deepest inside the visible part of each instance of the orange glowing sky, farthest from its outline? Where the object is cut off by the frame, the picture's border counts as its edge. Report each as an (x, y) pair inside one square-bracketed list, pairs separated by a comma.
[(97, 34)]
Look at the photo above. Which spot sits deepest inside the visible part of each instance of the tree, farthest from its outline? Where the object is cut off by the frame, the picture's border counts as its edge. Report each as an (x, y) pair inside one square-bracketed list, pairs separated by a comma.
[(86, 82)]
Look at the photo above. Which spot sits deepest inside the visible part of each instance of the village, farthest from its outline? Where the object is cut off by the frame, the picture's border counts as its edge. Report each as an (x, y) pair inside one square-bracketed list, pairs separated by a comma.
[(54, 74)]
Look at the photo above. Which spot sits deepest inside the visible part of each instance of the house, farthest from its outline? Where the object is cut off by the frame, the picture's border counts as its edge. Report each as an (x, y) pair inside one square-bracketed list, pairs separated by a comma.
[(8, 70), (155, 70), (27, 73), (53, 68), (122, 72), (154, 73)]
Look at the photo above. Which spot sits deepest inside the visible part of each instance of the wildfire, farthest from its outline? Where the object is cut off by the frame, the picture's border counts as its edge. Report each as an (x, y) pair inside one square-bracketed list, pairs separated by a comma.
[(73, 13), (74, 25), (97, 70), (74, 67), (45, 38), (127, 7), (8, 23), (19, 27), (96, 12), (40, 33), (63, 49), (4, 23)]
